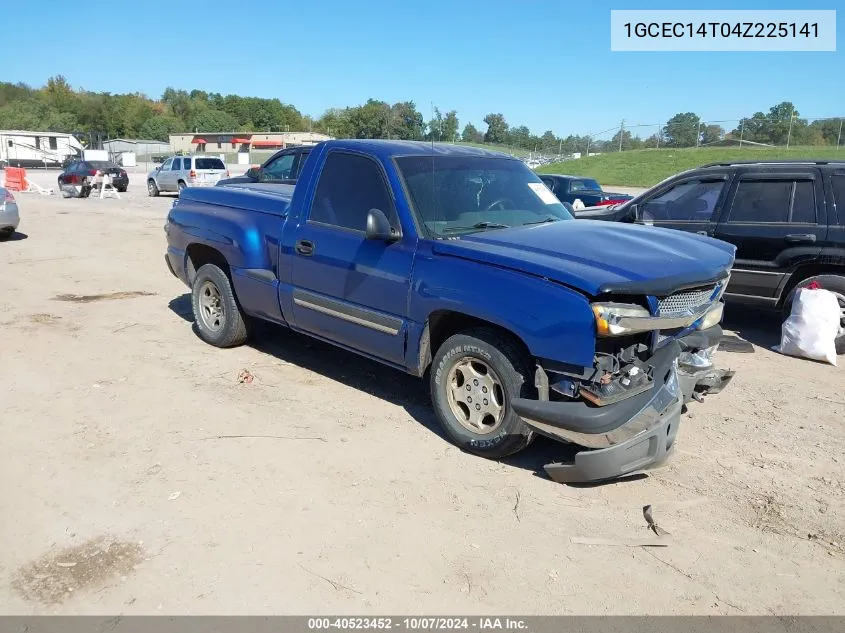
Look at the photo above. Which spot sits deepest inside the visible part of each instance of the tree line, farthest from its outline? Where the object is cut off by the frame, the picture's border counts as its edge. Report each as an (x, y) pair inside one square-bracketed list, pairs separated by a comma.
[(57, 107)]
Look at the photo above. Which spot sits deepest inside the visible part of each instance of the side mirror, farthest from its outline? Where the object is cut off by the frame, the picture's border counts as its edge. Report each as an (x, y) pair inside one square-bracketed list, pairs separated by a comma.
[(378, 227), (158, 167), (637, 216), (252, 172)]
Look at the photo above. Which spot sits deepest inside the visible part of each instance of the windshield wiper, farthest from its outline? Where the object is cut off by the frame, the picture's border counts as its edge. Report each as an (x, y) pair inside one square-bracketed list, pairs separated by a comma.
[(551, 219), (478, 225)]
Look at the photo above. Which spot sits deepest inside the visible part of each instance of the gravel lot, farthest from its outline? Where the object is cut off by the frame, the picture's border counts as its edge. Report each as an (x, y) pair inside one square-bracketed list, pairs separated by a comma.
[(139, 476)]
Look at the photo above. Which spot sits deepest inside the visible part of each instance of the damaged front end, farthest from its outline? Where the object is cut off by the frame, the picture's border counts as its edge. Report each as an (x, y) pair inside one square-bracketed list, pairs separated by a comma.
[(653, 356)]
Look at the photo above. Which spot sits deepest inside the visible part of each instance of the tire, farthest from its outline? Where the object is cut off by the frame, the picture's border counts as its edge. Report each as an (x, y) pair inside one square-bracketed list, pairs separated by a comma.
[(152, 188), (506, 368), (122, 189), (181, 185), (834, 283), (217, 315)]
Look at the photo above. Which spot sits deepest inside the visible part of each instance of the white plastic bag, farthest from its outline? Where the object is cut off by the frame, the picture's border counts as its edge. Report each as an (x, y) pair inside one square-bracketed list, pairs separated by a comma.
[(811, 329)]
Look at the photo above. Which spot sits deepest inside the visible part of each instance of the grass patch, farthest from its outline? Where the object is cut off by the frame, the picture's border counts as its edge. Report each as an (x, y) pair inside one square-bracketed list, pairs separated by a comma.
[(647, 167)]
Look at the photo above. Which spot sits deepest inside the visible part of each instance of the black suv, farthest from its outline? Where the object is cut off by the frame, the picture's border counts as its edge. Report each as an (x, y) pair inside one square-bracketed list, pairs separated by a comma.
[(786, 219)]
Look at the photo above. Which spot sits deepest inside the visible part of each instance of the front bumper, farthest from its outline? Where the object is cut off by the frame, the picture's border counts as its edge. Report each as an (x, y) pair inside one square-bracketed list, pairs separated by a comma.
[(634, 434), (637, 433)]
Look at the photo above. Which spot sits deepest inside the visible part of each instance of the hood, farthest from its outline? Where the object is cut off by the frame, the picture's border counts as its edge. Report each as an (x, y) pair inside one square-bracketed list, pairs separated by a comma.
[(600, 257)]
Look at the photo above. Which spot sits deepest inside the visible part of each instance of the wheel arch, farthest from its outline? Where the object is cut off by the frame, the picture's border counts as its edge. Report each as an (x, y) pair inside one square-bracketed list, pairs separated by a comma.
[(836, 266), (441, 324), (197, 255)]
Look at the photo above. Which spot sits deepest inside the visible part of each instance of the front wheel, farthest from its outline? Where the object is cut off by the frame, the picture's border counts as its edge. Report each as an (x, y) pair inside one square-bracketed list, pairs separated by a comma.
[(836, 285), (152, 188), (474, 377), (218, 316)]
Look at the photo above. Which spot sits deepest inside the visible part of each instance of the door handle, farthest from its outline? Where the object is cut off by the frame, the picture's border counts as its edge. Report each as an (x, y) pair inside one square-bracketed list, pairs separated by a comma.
[(305, 247), (702, 232), (801, 237)]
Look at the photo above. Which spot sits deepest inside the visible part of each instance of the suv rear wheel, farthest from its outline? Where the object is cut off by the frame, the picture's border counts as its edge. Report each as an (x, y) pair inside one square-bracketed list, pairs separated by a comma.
[(473, 378), (836, 285)]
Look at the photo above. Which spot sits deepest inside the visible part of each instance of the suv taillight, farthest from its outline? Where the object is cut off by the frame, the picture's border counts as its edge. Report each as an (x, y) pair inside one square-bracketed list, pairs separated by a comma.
[(192, 174)]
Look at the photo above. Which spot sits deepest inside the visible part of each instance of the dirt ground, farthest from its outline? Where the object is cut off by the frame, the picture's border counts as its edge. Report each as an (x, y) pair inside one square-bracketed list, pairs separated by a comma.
[(140, 476)]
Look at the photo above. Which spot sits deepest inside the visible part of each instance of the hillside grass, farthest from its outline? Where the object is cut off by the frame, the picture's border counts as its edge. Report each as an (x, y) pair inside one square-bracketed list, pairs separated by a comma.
[(647, 167)]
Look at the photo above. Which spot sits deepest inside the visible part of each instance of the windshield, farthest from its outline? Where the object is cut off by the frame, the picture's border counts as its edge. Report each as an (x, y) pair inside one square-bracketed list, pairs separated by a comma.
[(209, 163), (101, 164), (584, 185), (456, 195)]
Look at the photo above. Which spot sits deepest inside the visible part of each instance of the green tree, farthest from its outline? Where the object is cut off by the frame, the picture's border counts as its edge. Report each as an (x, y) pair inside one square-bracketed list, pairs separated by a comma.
[(520, 136), (471, 134), (406, 122), (160, 127), (682, 130), (209, 120), (829, 130), (22, 115), (497, 129), (450, 126), (711, 134)]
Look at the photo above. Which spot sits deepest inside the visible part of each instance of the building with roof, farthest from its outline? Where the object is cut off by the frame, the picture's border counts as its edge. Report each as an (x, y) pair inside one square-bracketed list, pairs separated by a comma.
[(225, 142), (140, 147)]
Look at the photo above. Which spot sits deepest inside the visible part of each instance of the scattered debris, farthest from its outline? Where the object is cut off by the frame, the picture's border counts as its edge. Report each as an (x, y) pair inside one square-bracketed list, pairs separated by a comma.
[(174, 495), (735, 344), (125, 327), (338, 586), (660, 541), (659, 531), (245, 376), (56, 576), (102, 297), (268, 437), (516, 508)]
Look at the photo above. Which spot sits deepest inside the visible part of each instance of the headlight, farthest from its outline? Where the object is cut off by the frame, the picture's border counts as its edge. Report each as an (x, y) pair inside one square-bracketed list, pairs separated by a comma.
[(609, 315), (713, 317)]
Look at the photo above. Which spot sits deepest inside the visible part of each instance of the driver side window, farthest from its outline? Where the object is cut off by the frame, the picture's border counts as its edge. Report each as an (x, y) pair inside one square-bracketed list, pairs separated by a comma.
[(167, 164), (279, 169), (688, 201)]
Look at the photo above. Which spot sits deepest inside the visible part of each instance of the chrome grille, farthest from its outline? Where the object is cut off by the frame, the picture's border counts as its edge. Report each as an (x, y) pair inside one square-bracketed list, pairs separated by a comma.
[(687, 301)]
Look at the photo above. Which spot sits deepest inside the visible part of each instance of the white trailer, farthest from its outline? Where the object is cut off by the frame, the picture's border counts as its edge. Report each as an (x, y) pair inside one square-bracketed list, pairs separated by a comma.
[(20, 148)]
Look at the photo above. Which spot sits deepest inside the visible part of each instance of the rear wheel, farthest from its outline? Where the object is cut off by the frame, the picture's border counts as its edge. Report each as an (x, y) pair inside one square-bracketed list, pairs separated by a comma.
[(836, 285), (182, 185), (218, 316), (152, 188), (474, 377)]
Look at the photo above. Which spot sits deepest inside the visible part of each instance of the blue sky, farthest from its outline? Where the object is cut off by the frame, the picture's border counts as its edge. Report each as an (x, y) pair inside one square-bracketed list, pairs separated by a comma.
[(543, 63)]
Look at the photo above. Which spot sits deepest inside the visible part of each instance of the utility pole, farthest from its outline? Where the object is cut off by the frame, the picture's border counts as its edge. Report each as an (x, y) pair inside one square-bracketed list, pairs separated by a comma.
[(838, 138), (621, 133), (659, 132), (698, 134), (560, 141), (789, 134), (741, 131)]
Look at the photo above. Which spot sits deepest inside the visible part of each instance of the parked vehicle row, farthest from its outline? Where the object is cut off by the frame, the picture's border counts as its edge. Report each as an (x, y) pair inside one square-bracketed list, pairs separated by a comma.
[(785, 218), (402, 253)]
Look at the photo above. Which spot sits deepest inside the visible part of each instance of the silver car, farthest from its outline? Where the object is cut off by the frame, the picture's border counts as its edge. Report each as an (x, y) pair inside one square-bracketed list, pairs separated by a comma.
[(9, 217), (178, 172)]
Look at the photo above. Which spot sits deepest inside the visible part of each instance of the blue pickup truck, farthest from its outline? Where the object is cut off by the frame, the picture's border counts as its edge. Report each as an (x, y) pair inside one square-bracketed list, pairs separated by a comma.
[(459, 265)]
